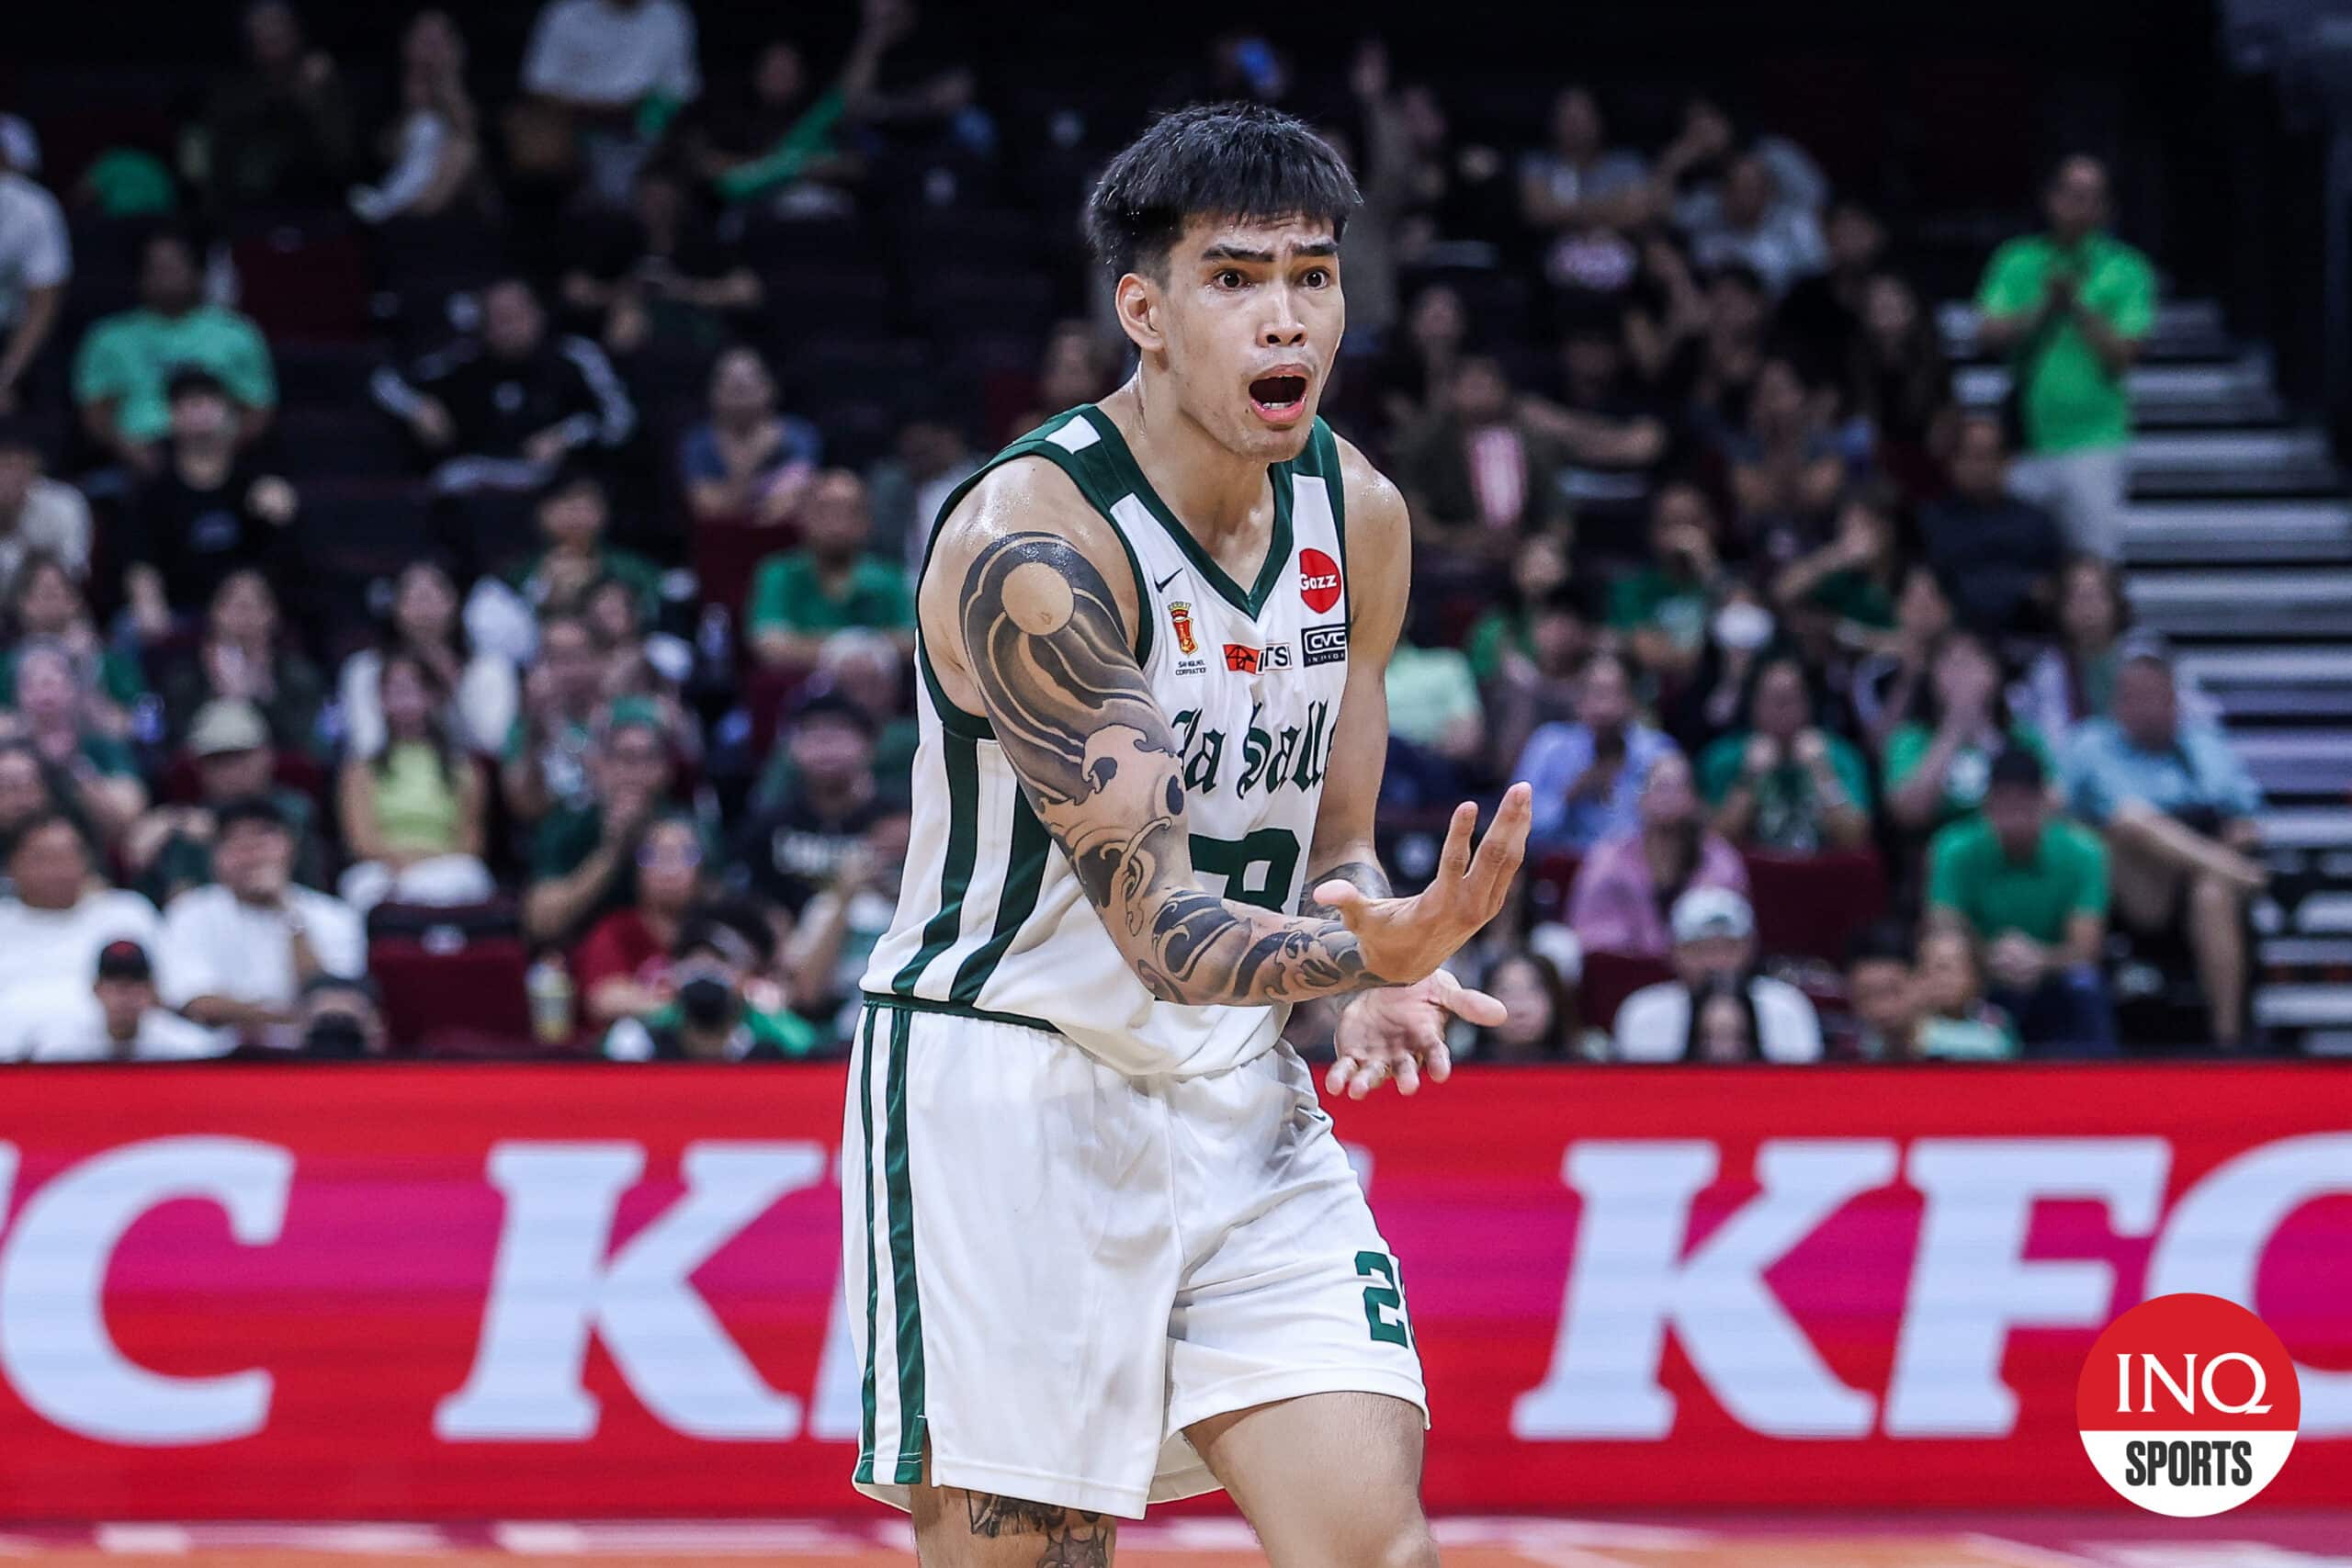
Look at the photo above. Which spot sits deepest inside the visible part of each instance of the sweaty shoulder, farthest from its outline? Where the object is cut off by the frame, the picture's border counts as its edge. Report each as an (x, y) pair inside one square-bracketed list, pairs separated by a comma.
[(1021, 495), (1380, 551)]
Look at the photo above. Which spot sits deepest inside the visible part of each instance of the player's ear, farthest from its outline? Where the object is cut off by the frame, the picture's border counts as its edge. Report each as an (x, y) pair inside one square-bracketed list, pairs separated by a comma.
[(1139, 302)]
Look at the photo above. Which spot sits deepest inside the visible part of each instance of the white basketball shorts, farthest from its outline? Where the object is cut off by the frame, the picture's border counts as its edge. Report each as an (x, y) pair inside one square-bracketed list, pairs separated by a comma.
[(1054, 1268)]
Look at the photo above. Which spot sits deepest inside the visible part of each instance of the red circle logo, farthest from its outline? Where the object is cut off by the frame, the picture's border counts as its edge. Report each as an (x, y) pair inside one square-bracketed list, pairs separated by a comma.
[(1318, 580), (2188, 1406)]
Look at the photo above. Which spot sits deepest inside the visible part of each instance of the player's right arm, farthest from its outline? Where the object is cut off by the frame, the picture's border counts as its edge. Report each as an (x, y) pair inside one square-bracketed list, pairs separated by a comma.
[(1019, 609)]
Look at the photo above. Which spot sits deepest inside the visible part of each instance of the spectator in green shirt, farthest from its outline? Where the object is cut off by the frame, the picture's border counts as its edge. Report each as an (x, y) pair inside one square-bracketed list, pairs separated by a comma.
[(1779, 782), (573, 513), (829, 584), (126, 363), (2033, 886), (2070, 307), (1661, 610), (1938, 765), (583, 857)]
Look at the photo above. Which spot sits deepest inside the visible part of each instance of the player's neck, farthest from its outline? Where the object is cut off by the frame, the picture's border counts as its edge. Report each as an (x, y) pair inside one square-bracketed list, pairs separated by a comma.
[(1215, 491)]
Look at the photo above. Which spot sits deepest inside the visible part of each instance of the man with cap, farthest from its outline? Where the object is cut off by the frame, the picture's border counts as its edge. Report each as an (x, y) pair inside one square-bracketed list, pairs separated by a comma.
[(2176, 806), (60, 915), (237, 954), (726, 1008), (2032, 887), (1714, 947), (583, 858), (119, 1018), (169, 850)]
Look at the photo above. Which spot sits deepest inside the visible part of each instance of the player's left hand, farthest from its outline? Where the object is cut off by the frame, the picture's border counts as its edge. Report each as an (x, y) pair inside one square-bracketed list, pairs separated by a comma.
[(1398, 1032)]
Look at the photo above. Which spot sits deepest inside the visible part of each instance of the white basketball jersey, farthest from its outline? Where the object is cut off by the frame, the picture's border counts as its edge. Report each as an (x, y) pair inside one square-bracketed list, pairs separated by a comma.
[(991, 919)]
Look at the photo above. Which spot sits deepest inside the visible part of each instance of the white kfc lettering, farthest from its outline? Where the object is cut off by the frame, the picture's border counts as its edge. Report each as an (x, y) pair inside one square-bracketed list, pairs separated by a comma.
[(2214, 1239), (54, 1346), (1971, 1283), (554, 1285), (1629, 1281)]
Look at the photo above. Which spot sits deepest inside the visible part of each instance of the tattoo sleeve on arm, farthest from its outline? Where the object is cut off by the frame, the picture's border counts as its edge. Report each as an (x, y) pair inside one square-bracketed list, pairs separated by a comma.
[(1364, 873), (1102, 768)]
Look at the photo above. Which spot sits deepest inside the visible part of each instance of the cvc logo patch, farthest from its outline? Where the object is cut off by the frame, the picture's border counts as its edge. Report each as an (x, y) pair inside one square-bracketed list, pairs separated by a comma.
[(2188, 1406)]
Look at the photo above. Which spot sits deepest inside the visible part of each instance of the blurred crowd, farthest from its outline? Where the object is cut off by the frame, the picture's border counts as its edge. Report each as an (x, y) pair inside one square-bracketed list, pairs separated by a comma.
[(1843, 741)]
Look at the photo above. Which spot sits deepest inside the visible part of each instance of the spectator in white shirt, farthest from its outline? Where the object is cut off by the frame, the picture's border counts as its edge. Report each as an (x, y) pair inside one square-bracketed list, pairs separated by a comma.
[(1750, 222), (117, 1018), (596, 67), (37, 514), (1717, 1008), (236, 954), (60, 914), (36, 261)]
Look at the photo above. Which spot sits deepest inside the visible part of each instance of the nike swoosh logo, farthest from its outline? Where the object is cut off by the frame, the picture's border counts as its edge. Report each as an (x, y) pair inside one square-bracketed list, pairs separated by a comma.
[(1172, 577)]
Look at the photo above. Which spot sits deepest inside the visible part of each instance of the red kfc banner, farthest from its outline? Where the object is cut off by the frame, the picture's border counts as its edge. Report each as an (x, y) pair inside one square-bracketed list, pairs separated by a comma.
[(486, 1291)]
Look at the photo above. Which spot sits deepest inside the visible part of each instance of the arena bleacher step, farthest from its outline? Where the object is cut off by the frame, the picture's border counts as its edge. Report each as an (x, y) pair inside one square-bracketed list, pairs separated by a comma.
[(2236, 391), (2185, 329), (2208, 531), (2293, 461), (2259, 684), (2273, 603)]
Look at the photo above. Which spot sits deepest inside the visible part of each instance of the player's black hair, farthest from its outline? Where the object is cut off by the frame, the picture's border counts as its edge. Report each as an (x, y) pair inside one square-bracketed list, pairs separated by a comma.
[(1239, 161)]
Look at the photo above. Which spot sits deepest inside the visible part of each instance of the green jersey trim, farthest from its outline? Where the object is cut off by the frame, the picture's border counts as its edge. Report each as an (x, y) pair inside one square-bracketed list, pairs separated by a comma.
[(959, 1010), (1248, 602), (960, 755)]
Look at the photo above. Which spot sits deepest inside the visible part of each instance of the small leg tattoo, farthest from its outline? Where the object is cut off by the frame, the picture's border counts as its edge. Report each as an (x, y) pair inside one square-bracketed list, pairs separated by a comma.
[(1073, 1538)]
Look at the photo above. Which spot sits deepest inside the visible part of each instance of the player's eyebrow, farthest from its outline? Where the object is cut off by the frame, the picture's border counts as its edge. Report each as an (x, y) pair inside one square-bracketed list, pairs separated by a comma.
[(1244, 254)]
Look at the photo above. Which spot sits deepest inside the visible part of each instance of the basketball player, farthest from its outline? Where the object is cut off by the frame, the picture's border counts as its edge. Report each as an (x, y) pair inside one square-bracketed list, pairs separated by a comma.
[(1104, 1248)]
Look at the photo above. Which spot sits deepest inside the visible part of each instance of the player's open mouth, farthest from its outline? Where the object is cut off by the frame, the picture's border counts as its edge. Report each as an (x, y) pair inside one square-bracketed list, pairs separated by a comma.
[(1279, 400)]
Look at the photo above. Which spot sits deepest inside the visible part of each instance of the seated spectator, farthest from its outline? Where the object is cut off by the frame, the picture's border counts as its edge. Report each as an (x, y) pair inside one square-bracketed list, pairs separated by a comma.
[(1588, 776), (1609, 437), (1823, 316), (1998, 554), (574, 513), (2176, 806), (279, 131), (1779, 782), (38, 516), (622, 966), (866, 669), (1541, 1025), (1786, 468), (169, 850), (767, 137), (1714, 958), (1669, 320), (59, 914), (658, 278), (1479, 475), (412, 809), (244, 657), (594, 67), (1889, 684), (583, 858), (433, 151), (341, 1018), (421, 623), (1748, 222), (800, 597), (1951, 984), (1625, 884), (501, 410), (123, 372), (1938, 765), (932, 456), (747, 463), (1437, 731), (1079, 365), (715, 1018), (787, 852), (1715, 374), (2033, 888), (1539, 687), (842, 922), (1577, 181), (62, 720), (637, 664), (1899, 382), (1661, 610), (1412, 375), (235, 954), (1844, 591), (2074, 679), (36, 263), (1892, 1006), (31, 788), (46, 605), (207, 512), (1708, 702), (545, 759), (119, 1018)]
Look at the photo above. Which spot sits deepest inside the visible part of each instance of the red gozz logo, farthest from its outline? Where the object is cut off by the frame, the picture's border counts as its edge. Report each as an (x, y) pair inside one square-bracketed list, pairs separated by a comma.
[(1318, 580)]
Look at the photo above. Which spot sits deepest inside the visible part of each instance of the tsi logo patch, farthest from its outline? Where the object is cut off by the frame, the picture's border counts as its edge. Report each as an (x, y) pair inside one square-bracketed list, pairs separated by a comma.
[(2188, 1406), (1324, 644)]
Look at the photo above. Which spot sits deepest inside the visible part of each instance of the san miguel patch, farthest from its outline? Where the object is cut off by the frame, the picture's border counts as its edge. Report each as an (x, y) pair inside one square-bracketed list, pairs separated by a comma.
[(1180, 619), (1318, 580)]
